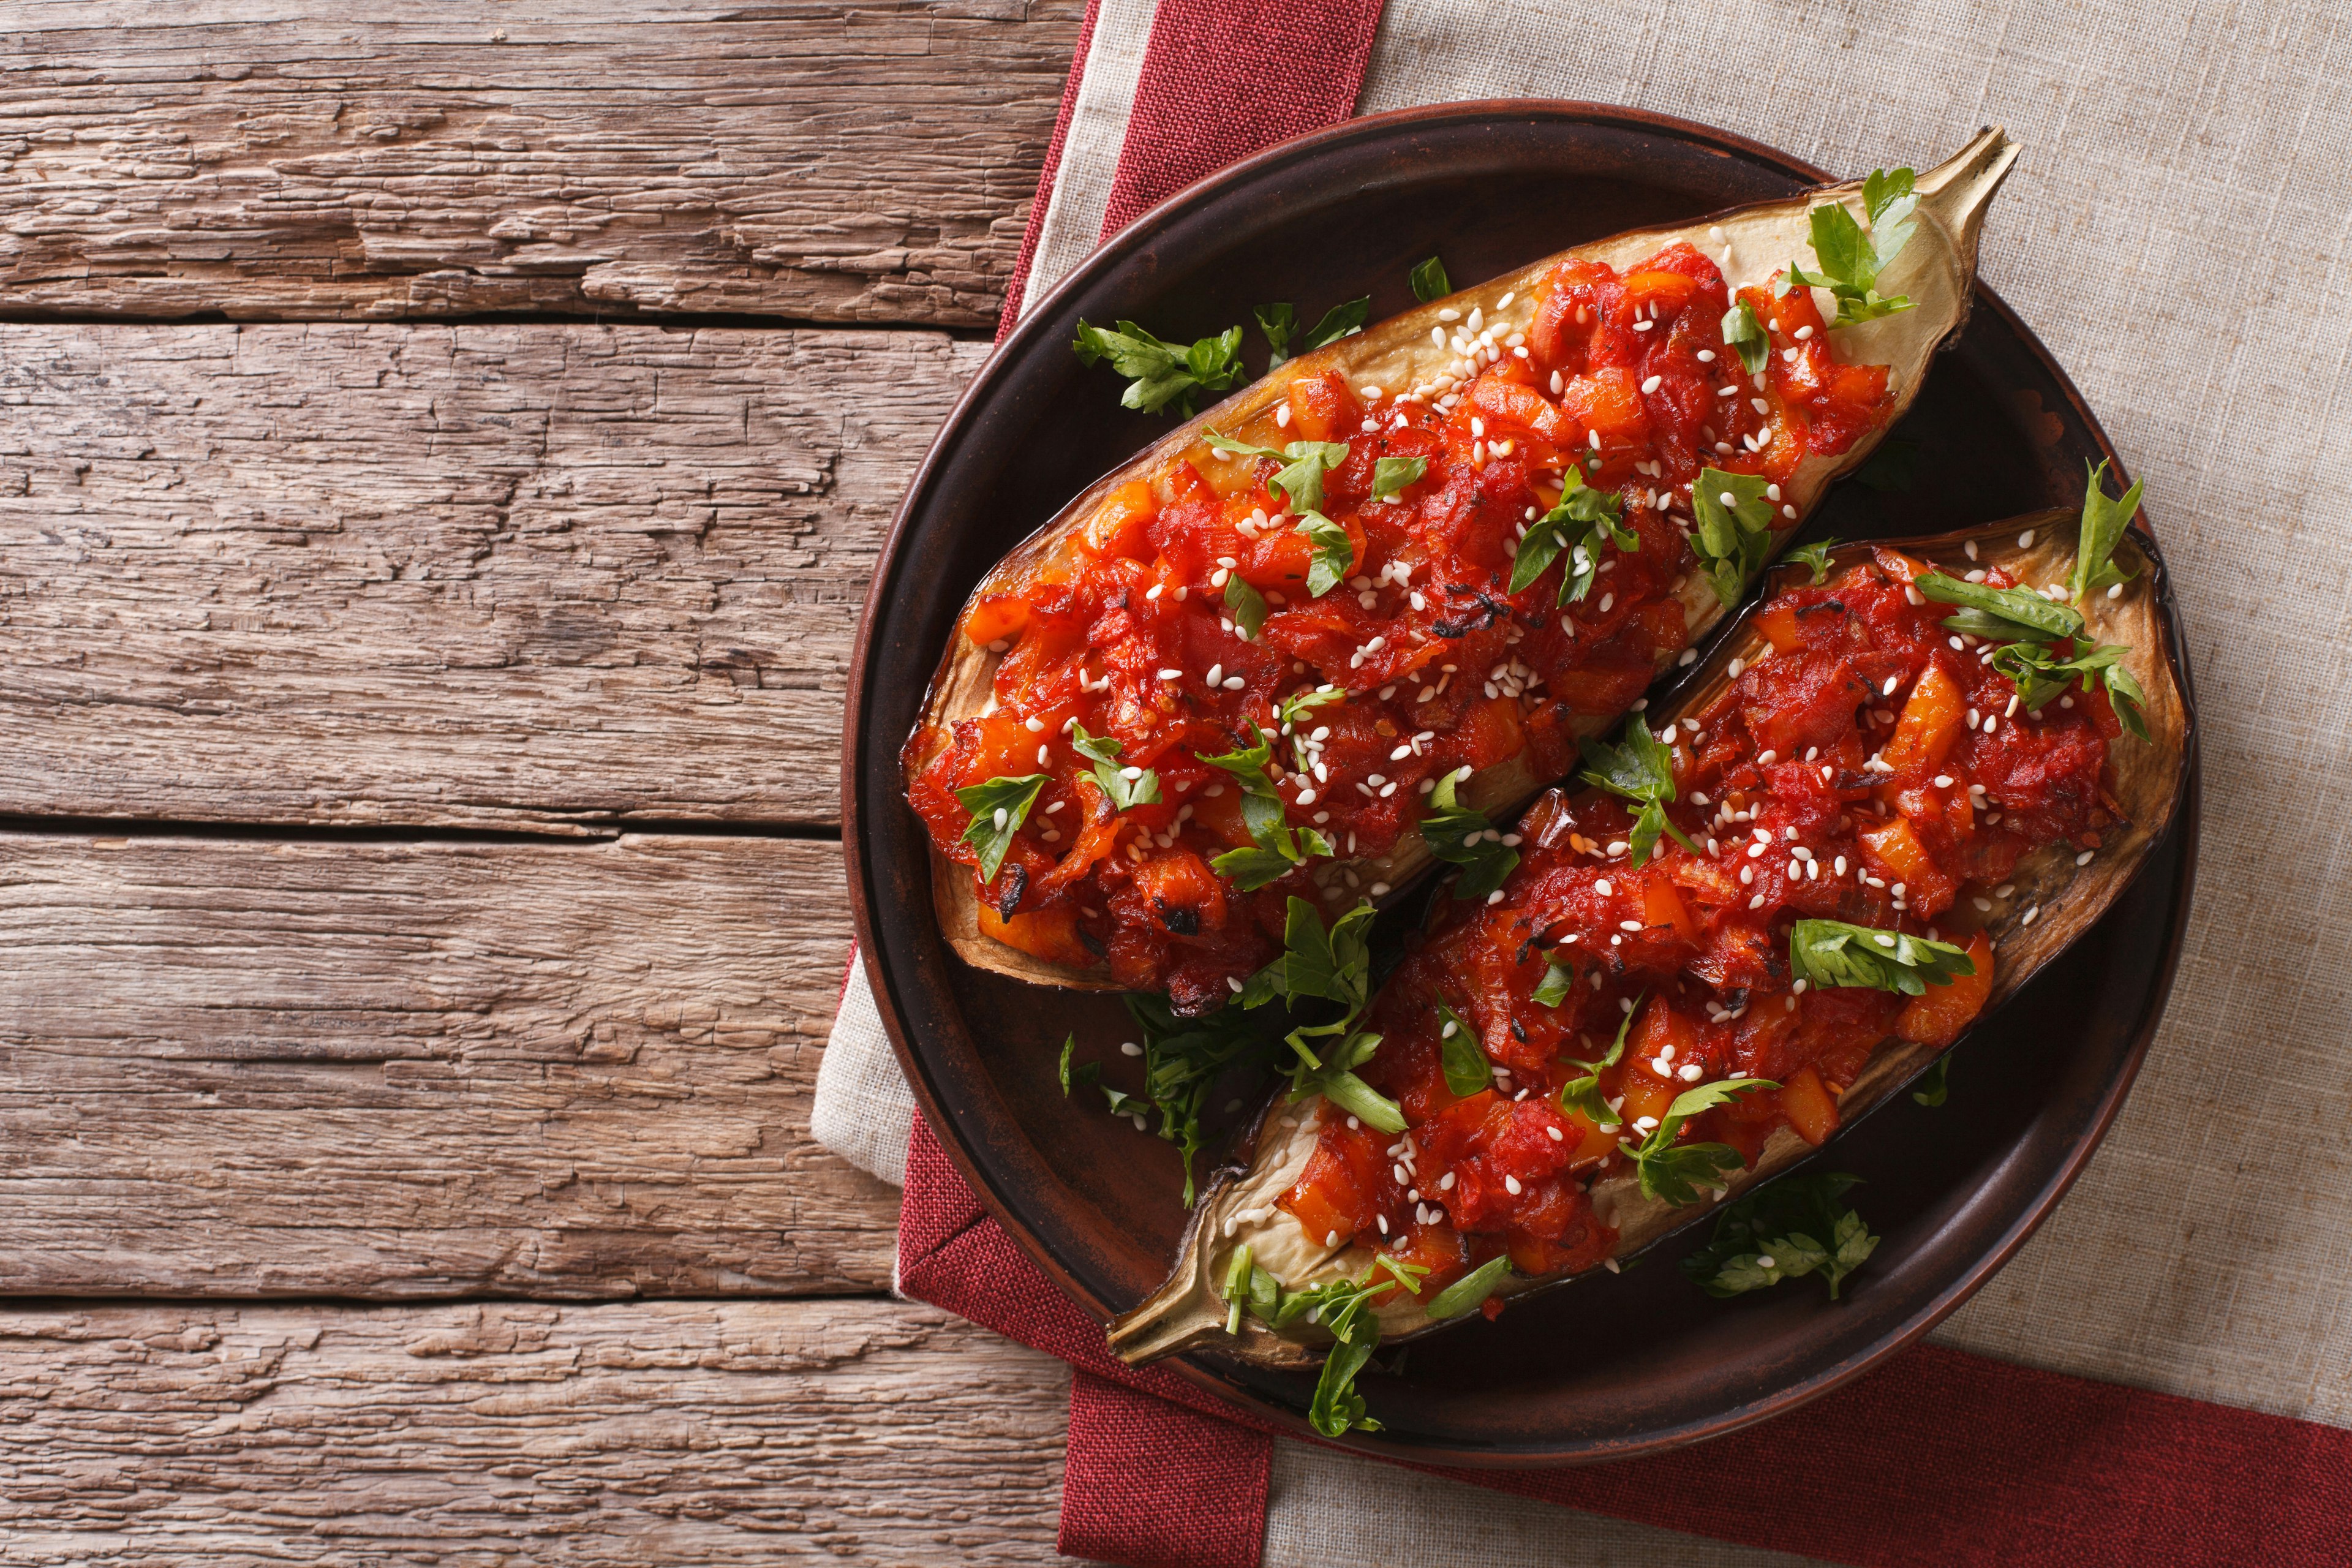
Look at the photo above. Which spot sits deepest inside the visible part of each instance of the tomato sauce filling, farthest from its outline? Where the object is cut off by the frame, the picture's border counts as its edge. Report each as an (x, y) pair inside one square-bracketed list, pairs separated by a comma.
[(1871, 768), (1623, 381)]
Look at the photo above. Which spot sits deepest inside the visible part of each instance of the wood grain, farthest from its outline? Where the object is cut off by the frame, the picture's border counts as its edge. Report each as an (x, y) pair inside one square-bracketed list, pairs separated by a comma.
[(479, 1437), (581, 1069), (481, 575), (824, 162)]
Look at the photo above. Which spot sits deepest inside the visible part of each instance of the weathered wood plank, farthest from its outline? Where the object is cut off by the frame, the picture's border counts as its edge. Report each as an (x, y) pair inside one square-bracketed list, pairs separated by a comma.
[(473, 576), (863, 1432), (238, 1068), (816, 160)]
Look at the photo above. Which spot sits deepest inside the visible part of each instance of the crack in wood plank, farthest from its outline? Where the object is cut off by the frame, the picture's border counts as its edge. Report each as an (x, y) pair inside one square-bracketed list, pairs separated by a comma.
[(478, 1436), (450, 575), (584, 1070), (823, 162)]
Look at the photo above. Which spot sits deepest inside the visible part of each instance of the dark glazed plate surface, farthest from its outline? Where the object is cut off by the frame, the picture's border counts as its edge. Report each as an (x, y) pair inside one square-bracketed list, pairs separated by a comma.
[(1614, 1365)]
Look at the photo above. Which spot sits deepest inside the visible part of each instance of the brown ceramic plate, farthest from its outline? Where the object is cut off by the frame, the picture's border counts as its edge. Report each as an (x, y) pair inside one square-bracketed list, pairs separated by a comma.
[(1618, 1365)]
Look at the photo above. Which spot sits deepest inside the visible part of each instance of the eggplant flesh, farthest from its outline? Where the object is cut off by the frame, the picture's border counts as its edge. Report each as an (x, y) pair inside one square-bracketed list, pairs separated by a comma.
[(2065, 900), (1937, 268)]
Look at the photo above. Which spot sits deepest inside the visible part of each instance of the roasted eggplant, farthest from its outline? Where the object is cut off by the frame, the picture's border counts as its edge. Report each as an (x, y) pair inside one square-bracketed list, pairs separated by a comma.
[(1467, 536), (1986, 731)]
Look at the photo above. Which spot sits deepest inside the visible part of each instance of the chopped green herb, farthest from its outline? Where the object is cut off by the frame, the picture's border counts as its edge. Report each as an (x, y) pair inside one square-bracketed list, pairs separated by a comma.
[(1334, 965), (1277, 322), (1832, 953), (998, 806), (1582, 1095), (1247, 604), (1577, 524), (1462, 836), (2103, 521), (1124, 793), (1298, 704), (1391, 475), (1676, 1172), (1184, 1058), (1734, 536), (1429, 282), (1853, 259), (2041, 675), (2000, 614), (1936, 1083), (1559, 975), (1642, 769), (1464, 1059), (1469, 1292), (1815, 558), (1277, 848), (1300, 482), (1790, 1228), (1744, 333), (1335, 554), (1163, 371)]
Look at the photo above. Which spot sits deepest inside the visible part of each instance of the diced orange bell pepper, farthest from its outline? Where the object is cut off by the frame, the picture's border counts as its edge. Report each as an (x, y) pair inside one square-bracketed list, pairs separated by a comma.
[(1663, 906), (998, 618), (1809, 1107), (1050, 933), (1930, 723), (1778, 621), (1322, 408), (1937, 1017), (1897, 851), (1118, 527)]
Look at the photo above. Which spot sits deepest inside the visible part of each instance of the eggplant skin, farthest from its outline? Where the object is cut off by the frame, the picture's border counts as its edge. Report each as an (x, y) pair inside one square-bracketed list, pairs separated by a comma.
[(2151, 780), (1936, 270)]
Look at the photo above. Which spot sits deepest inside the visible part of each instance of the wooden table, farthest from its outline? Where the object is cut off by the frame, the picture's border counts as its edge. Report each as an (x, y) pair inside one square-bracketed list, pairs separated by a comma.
[(441, 460)]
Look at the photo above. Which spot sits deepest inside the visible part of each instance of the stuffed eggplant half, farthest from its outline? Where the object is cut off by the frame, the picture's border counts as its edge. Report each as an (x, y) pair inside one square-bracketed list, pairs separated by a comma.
[(1234, 671), (1904, 782)]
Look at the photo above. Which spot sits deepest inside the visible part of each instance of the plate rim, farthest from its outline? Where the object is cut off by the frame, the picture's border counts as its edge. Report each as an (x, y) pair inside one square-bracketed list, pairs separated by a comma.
[(2186, 828)]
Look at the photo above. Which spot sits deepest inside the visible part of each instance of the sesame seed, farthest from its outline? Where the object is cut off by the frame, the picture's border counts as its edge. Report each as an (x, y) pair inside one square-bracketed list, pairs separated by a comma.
[(1496, 897), (2028, 919), (2025, 540)]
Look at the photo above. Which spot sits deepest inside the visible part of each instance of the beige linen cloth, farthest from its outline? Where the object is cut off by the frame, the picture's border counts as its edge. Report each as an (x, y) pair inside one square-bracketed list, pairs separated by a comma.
[(2179, 233)]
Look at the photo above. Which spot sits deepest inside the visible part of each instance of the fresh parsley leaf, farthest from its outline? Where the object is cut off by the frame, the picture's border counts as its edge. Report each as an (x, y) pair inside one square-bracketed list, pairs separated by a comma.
[(1785, 1230), (1276, 322), (1429, 282), (1935, 1084), (1121, 1102), (1276, 848), (998, 808), (1124, 793), (1580, 522), (1676, 1173), (2103, 521), (1336, 1408), (2001, 614), (1468, 1293), (1462, 836), (1832, 953), (1734, 535), (1184, 1058), (1335, 554), (1298, 704), (1815, 558), (1464, 1059), (1391, 475), (1851, 258), (1163, 371), (1300, 482), (1744, 333), (2041, 675), (1086, 1072), (1582, 1095), (1334, 965), (1247, 604), (1552, 989), (1338, 321), (1642, 769)]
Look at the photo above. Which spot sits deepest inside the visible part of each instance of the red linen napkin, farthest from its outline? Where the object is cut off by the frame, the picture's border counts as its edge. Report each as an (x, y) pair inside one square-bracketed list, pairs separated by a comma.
[(1939, 1457)]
